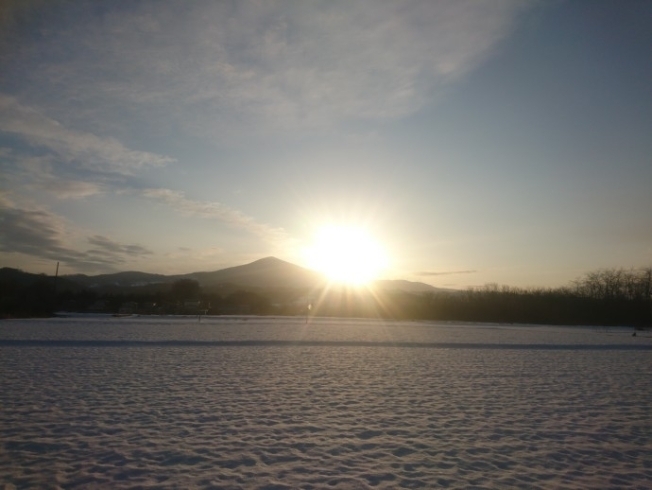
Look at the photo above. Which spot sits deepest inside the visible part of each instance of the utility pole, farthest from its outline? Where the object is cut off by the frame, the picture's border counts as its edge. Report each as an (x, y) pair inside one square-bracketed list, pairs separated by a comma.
[(56, 275)]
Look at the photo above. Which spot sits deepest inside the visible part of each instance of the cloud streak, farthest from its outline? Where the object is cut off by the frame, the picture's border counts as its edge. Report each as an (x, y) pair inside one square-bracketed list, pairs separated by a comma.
[(104, 246), (275, 65), (36, 172), (445, 273), (69, 189), (80, 148), (217, 211), (42, 234)]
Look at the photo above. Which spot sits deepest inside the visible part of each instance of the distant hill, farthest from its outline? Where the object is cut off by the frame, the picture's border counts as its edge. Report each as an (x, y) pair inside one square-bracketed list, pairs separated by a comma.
[(266, 273), (269, 272), (12, 279), (120, 279), (264, 286), (407, 286)]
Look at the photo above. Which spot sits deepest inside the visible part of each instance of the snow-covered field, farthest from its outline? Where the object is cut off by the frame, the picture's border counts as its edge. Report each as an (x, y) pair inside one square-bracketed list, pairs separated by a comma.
[(275, 403)]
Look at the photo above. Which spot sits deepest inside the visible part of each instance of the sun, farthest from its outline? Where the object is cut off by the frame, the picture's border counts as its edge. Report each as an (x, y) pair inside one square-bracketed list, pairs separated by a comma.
[(346, 254)]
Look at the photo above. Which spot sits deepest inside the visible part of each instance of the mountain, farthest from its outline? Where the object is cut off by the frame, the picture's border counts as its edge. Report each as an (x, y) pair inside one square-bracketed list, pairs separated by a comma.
[(407, 286), (269, 272), (12, 280), (120, 279)]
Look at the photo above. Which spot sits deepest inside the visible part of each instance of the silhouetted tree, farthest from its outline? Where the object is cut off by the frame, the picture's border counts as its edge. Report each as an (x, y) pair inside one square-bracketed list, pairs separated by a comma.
[(247, 302), (185, 289)]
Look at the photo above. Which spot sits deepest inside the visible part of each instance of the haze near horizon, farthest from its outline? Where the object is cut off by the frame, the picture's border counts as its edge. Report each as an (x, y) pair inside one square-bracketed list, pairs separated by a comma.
[(458, 142)]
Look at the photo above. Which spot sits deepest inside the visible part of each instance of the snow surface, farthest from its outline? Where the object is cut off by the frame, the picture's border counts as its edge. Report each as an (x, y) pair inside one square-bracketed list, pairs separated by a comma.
[(275, 403)]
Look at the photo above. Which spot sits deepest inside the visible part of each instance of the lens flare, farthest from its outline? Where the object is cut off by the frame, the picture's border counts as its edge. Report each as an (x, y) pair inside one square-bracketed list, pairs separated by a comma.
[(346, 254)]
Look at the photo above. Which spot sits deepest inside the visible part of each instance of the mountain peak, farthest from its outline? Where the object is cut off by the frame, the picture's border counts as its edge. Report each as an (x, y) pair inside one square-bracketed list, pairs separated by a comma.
[(269, 260), (268, 272)]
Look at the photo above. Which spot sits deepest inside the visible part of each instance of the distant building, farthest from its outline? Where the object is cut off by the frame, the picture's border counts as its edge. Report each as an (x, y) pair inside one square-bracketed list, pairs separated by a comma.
[(193, 307), (236, 309), (128, 308)]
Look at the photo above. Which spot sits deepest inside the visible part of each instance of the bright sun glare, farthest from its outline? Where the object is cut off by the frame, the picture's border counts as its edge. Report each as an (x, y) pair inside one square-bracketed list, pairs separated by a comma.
[(346, 254)]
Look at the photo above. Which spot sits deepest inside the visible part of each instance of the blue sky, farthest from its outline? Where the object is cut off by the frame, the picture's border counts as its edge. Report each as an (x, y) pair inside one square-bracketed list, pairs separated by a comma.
[(479, 141)]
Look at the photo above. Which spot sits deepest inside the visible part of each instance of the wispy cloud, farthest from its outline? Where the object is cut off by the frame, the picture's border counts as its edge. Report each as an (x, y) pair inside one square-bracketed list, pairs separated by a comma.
[(81, 148), (62, 162), (203, 254), (218, 211), (212, 66), (106, 246), (39, 233), (36, 172), (445, 273), (70, 189)]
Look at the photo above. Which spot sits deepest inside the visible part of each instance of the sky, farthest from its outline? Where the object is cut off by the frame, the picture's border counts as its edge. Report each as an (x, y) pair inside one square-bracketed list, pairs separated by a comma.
[(478, 141)]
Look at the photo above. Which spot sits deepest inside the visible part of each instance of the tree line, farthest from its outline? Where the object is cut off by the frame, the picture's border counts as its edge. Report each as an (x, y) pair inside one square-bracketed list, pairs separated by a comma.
[(605, 297)]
